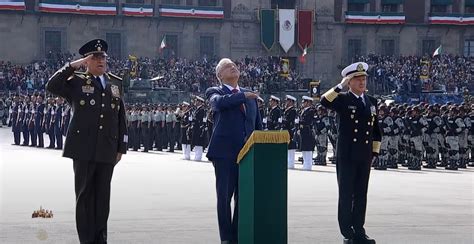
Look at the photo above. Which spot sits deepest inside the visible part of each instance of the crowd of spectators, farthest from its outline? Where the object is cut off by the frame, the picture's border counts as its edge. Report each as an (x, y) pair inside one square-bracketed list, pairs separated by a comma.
[(413, 74), (402, 75), (258, 73)]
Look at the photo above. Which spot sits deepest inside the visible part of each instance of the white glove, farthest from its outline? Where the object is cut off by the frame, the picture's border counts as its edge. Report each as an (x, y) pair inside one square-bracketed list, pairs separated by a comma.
[(280, 120), (264, 120), (297, 121)]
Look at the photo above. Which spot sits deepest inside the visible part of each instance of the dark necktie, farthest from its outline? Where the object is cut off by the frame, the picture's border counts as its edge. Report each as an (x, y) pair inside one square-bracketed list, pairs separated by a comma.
[(361, 102), (241, 105), (99, 81)]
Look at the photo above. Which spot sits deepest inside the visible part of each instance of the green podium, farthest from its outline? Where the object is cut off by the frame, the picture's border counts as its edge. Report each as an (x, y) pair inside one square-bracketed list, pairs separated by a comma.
[(263, 180)]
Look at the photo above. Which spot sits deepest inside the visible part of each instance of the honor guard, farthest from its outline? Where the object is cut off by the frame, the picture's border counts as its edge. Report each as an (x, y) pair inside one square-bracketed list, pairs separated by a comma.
[(274, 118), (290, 119), (39, 117), (186, 120), (198, 128), (306, 132)]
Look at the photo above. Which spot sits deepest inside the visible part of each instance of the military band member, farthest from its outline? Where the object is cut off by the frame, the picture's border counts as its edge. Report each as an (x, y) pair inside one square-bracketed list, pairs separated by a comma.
[(274, 114), (198, 128), (97, 136), (307, 136), (49, 114), (290, 116), (24, 118), (358, 142)]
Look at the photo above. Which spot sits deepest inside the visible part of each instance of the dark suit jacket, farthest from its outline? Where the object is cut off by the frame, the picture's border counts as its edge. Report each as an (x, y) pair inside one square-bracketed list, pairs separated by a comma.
[(98, 128), (232, 127)]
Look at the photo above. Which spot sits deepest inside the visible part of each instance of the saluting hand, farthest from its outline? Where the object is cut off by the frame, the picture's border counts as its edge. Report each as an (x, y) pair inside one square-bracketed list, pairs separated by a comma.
[(345, 81), (81, 63)]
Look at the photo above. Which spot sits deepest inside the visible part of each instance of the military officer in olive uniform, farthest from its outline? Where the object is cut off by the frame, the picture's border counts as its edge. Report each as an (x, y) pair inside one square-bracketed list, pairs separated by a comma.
[(289, 120), (97, 135), (359, 139)]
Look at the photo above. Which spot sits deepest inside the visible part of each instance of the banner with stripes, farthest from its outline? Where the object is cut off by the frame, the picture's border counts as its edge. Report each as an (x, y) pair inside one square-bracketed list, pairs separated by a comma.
[(191, 12), (53, 6), (375, 18), (452, 19), (12, 5), (138, 10)]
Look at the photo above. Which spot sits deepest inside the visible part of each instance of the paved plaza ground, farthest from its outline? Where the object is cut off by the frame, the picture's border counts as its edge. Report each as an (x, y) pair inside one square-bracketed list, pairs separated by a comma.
[(160, 198)]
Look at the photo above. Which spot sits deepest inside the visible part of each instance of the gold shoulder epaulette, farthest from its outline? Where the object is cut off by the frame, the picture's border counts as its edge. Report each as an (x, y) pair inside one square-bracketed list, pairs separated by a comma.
[(114, 76), (81, 75)]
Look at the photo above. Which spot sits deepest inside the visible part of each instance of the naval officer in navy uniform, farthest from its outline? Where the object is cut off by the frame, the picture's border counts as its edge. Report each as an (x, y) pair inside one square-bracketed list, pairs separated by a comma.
[(358, 142), (97, 134)]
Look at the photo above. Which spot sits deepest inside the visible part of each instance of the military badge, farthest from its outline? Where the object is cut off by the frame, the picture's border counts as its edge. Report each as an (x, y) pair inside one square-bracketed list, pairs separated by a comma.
[(115, 91), (88, 82), (372, 110), (360, 67), (88, 89), (92, 102), (352, 116), (352, 107)]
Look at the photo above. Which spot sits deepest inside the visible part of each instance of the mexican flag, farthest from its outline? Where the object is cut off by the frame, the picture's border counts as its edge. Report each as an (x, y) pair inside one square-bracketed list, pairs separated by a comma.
[(437, 51), (163, 44), (305, 51)]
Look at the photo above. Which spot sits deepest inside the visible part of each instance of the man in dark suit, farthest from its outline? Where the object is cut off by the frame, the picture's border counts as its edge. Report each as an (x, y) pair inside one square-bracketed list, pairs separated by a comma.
[(359, 139), (97, 135), (236, 116)]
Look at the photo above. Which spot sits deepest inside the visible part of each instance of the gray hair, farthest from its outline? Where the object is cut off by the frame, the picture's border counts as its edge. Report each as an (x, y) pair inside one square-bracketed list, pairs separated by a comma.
[(219, 66)]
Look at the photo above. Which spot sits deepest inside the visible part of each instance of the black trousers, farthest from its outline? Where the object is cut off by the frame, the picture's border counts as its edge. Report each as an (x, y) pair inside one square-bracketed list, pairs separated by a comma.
[(92, 186), (170, 131), (227, 186), (159, 136), (353, 180)]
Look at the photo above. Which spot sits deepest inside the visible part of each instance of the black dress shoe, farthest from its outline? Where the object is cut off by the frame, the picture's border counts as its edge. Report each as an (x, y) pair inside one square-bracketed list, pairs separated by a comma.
[(363, 239), (348, 241)]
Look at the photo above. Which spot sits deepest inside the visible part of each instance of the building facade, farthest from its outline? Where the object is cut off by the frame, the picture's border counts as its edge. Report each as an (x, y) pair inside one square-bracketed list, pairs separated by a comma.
[(231, 28)]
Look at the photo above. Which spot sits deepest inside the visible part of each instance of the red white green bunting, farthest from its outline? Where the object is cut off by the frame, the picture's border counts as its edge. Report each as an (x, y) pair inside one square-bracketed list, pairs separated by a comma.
[(371, 18), (137, 10), (12, 5), (77, 8), (452, 20), (191, 12)]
